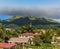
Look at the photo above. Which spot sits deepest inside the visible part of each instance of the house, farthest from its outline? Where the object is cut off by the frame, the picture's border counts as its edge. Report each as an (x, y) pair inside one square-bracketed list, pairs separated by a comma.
[(42, 31), (8, 29), (29, 35), (56, 39), (7, 45), (18, 40)]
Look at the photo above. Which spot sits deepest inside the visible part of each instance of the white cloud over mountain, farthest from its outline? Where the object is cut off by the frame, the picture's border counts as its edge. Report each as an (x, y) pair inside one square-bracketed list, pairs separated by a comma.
[(53, 13)]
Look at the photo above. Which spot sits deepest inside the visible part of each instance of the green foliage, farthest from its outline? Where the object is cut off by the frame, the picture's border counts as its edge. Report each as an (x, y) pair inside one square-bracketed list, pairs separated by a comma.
[(10, 26), (7, 33), (37, 41), (1, 39), (47, 37), (27, 28), (22, 20), (47, 46), (58, 31)]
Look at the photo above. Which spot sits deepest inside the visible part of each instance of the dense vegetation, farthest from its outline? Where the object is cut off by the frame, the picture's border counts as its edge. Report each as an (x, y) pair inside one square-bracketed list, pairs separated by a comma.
[(22, 20), (19, 25)]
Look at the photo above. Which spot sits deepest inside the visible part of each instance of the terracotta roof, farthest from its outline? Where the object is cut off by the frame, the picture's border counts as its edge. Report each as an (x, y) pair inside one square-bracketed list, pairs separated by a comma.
[(58, 37), (18, 40), (43, 30), (6, 45), (29, 34)]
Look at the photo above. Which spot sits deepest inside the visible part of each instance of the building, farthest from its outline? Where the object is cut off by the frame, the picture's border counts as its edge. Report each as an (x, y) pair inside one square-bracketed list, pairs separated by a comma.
[(42, 31), (29, 35), (18, 40), (9, 29), (56, 39), (7, 45)]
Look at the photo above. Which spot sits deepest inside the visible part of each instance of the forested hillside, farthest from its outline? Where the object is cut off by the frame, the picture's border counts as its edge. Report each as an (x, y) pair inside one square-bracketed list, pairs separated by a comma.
[(22, 20)]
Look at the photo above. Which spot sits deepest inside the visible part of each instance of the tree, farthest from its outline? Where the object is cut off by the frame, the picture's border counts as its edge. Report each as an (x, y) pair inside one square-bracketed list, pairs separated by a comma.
[(27, 28), (47, 37), (37, 41), (58, 31)]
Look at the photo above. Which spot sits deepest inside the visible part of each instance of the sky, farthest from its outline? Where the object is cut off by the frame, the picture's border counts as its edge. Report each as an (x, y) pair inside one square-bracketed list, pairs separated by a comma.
[(39, 8)]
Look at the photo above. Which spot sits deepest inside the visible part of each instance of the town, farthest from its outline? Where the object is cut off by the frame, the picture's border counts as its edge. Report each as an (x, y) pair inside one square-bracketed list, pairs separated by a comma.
[(28, 38), (29, 24)]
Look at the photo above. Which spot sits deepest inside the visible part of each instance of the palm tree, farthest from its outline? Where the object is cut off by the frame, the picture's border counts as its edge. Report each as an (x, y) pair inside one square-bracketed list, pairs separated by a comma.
[(27, 28), (47, 37)]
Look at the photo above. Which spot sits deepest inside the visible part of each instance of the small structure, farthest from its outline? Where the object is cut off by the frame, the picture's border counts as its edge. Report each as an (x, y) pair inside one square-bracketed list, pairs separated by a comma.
[(8, 29), (18, 40), (42, 31), (7, 45), (29, 35), (56, 39)]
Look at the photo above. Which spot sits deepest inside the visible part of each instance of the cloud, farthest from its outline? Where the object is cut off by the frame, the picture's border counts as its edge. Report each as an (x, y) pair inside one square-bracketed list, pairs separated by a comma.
[(53, 13)]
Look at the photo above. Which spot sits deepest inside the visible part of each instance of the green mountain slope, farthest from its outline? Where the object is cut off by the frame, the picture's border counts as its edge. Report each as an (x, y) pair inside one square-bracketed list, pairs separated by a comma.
[(22, 20)]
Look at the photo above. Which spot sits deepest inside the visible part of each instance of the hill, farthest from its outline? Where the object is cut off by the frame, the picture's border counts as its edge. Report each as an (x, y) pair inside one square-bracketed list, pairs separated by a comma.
[(23, 20)]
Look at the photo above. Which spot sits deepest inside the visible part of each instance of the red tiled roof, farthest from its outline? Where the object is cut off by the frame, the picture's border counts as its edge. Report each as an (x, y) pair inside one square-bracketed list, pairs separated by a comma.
[(43, 30), (19, 40), (6, 45), (29, 34), (56, 36)]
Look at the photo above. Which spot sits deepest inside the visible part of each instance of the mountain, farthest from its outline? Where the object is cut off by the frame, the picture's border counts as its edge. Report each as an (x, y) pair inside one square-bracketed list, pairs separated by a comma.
[(22, 20)]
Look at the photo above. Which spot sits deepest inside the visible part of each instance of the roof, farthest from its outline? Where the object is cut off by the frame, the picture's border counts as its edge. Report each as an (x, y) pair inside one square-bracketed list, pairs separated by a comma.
[(6, 45), (43, 30), (58, 37), (18, 40), (28, 34)]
